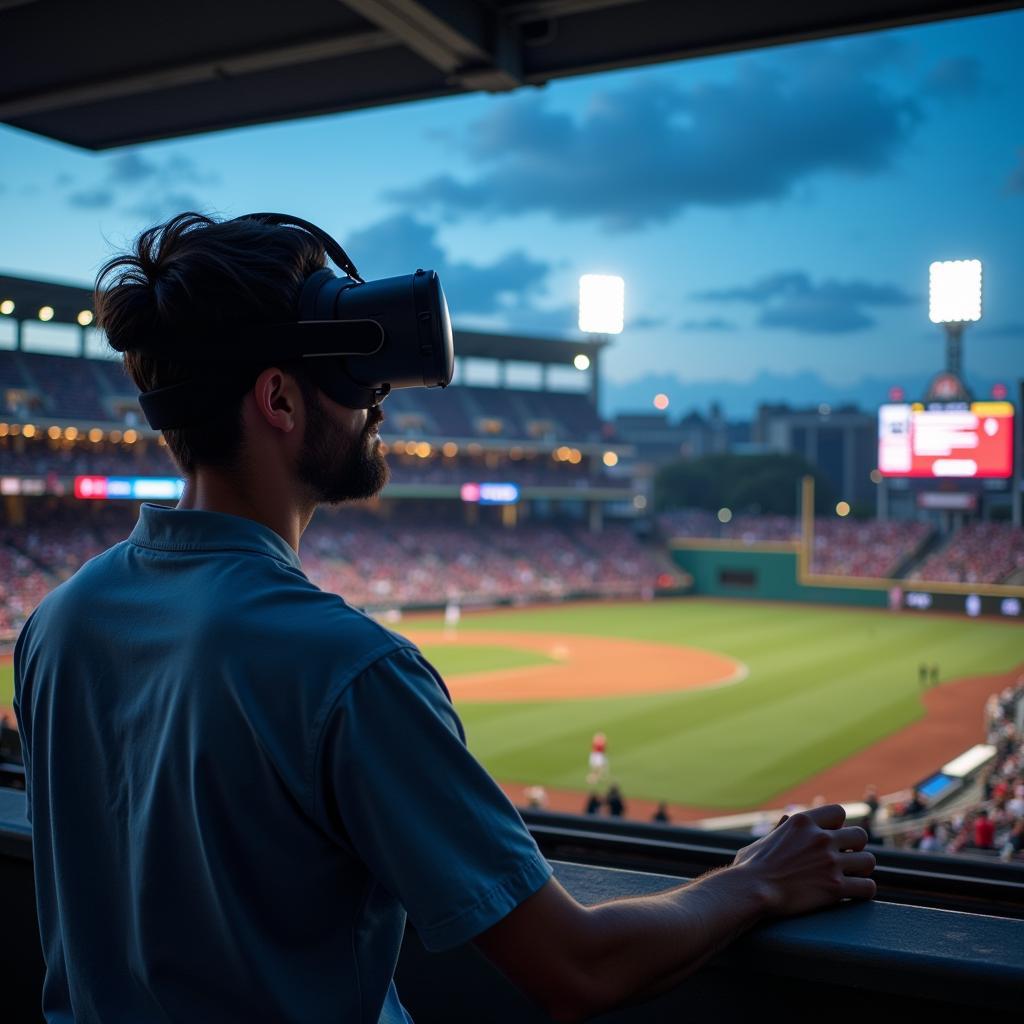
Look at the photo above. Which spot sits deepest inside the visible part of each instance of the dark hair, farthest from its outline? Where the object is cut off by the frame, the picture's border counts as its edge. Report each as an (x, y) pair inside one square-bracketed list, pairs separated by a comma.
[(196, 274)]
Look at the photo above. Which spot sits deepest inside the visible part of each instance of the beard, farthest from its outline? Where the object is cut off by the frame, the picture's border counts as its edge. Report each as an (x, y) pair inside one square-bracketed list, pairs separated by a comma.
[(335, 465)]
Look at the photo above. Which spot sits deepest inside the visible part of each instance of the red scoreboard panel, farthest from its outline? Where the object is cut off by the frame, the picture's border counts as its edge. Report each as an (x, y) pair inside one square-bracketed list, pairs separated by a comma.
[(972, 441)]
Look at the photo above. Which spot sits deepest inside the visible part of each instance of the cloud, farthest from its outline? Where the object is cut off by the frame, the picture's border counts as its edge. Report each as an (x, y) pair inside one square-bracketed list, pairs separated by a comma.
[(955, 78), (644, 153), (143, 187), (645, 323), (91, 199), (157, 207), (401, 243), (792, 300), (712, 323)]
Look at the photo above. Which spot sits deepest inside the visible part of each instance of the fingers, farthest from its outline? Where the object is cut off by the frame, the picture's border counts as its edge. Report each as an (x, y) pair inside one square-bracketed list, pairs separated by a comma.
[(827, 816), (853, 837), (854, 888), (857, 863)]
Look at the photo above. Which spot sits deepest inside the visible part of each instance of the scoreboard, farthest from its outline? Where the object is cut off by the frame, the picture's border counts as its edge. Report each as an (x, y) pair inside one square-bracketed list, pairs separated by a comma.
[(960, 440)]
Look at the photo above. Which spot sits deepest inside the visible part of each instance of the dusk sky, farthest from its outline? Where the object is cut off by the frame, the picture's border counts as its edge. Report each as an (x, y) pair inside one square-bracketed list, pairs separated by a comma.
[(773, 213)]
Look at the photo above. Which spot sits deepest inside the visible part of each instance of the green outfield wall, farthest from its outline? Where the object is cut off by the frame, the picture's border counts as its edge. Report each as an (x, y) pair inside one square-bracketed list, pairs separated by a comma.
[(765, 572)]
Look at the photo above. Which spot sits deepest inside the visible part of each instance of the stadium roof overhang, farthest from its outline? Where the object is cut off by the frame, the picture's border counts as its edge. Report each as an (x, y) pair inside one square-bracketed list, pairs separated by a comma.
[(102, 73)]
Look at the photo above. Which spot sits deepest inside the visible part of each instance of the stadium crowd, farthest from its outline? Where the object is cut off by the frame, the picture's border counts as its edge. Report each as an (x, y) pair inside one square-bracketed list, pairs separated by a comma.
[(372, 562), (413, 563), (977, 553), (996, 825)]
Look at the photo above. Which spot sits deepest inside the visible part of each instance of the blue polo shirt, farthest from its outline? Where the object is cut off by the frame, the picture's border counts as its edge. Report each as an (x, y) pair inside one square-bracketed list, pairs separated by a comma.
[(239, 786)]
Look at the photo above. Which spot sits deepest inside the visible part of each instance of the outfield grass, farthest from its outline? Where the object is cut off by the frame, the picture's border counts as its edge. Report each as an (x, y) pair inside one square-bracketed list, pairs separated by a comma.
[(823, 684)]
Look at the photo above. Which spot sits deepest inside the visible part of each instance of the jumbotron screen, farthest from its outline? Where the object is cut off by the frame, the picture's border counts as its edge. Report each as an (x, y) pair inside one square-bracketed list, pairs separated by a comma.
[(971, 441)]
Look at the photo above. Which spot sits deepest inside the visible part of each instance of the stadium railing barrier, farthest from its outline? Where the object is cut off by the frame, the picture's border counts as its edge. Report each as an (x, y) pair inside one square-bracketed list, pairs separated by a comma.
[(941, 934)]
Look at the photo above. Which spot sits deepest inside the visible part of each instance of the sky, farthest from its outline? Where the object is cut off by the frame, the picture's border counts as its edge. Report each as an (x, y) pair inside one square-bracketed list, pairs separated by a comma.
[(773, 213)]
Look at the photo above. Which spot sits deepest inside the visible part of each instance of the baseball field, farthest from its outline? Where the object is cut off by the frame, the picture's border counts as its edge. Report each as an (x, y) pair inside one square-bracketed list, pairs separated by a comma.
[(713, 705), (718, 705)]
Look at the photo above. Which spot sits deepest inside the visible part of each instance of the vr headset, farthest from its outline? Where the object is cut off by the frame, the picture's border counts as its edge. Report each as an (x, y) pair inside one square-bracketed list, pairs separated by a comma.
[(358, 339)]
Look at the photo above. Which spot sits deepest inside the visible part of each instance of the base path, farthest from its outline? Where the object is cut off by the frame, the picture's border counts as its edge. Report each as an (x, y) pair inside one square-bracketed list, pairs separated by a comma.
[(585, 667)]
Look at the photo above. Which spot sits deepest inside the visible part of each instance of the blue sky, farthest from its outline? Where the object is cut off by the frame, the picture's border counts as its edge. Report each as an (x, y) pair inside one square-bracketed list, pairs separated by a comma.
[(773, 213)]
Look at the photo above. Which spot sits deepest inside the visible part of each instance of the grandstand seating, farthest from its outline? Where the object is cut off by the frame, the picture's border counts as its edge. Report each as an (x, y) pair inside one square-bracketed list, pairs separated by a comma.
[(86, 389), (368, 560), (976, 553), (847, 547), (1003, 797)]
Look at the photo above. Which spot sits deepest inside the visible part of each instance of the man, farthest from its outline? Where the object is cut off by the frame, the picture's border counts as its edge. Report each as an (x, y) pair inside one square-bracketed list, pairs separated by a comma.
[(240, 786)]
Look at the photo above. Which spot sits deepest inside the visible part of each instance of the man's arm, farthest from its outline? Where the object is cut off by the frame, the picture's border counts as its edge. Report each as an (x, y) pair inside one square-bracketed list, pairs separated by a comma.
[(577, 961)]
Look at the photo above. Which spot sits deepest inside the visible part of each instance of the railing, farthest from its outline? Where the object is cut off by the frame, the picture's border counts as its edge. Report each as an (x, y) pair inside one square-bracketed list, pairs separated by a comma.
[(944, 932)]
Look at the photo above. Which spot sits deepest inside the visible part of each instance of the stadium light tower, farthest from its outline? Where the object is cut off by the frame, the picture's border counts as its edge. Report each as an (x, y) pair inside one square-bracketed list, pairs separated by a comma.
[(602, 303), (601, 313), (954, 299)]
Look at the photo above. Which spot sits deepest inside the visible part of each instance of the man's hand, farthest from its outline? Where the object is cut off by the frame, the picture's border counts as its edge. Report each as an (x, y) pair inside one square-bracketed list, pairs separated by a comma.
[(578, 961), (809, 861)]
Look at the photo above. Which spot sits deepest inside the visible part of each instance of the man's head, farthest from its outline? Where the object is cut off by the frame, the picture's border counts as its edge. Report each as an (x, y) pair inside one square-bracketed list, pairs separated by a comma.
[(196, 275)]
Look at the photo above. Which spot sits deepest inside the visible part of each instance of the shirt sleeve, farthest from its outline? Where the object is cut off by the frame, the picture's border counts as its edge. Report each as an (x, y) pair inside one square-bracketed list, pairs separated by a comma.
[(419, 810), (21, 712)]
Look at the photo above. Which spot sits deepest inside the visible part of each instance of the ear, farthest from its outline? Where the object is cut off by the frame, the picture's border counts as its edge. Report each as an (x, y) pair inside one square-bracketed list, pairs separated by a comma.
[(277, 399)]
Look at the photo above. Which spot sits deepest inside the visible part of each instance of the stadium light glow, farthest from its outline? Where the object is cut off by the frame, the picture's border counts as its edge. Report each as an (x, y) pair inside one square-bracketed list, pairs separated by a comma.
[(7, 307), (602, 303), (842, 508), (581, 362), (45, 313), (639, 502), (725, 515), (95, 435), (53, 433), (954, 291), (130, 436), (449, 449), (876, 476), (85, 317), (610, 459), (29, 430), (661, 401), (115, 436), (70, 433), (4, 429)]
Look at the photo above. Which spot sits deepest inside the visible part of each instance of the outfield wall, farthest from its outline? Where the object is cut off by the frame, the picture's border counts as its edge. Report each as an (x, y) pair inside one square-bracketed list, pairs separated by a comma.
[(766, 572), (777, 571)]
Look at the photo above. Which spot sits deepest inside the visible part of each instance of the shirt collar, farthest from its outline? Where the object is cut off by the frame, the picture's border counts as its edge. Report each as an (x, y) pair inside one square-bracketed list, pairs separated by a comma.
[(180, 529)]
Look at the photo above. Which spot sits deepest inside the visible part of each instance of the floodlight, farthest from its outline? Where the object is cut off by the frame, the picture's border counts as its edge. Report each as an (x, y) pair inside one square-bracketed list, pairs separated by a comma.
[(602, 299), (7, 307), (85, 317), (661, 401), (581, 362), (46, 313), (954, 291)]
